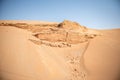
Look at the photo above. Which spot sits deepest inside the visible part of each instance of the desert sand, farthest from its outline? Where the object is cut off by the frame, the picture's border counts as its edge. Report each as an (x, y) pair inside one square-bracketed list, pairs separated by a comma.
[(38, 50)]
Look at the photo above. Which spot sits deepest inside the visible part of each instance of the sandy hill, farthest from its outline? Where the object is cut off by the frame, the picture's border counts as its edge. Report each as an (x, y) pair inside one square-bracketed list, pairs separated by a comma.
[(33, 50)]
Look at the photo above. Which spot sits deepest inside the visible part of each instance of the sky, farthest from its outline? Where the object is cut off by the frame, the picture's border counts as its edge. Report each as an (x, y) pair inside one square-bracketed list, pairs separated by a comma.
[(98, 14)]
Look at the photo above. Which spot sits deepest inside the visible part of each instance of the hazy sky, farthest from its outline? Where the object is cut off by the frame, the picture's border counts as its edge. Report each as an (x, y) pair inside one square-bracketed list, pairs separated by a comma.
[(100, 14)]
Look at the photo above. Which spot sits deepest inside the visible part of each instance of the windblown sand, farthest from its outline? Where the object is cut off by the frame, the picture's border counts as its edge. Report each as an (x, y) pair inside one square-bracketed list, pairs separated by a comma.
[(33, 50)]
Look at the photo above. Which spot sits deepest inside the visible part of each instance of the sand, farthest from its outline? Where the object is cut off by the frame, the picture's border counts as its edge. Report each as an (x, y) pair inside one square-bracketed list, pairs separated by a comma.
[(103, 55), (32, 50)]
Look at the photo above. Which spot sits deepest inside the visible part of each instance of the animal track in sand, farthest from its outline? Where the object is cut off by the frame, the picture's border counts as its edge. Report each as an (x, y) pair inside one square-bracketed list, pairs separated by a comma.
[(77, 71)]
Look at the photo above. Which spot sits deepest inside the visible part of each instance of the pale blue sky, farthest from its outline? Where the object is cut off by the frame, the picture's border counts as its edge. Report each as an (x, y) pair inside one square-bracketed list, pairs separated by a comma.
[(99, 14)]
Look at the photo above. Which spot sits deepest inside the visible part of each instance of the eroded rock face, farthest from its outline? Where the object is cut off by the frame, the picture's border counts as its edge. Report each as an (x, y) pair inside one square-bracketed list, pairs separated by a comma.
[(66, 32), (52, 36)]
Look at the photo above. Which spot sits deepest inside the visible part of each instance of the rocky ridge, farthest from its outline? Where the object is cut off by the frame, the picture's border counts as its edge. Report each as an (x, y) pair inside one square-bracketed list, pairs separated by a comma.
[(63, 34)]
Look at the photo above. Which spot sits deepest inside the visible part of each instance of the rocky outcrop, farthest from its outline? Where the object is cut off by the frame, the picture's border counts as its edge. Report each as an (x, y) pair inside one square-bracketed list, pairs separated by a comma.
[(66, 32), (66, 24)]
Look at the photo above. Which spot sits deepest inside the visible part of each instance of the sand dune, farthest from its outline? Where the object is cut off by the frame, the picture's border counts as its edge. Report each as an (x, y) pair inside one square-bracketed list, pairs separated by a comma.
[(31, 50), (103, 55)]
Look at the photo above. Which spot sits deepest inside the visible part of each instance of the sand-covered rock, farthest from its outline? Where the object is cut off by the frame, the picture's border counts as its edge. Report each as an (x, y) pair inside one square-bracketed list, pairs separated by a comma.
[(65, 32), (66, 24)]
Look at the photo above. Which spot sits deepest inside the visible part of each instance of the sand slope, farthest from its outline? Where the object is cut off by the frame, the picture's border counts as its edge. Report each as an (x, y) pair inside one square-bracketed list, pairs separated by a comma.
[(23, 57), (22, 60), (103, 55)]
